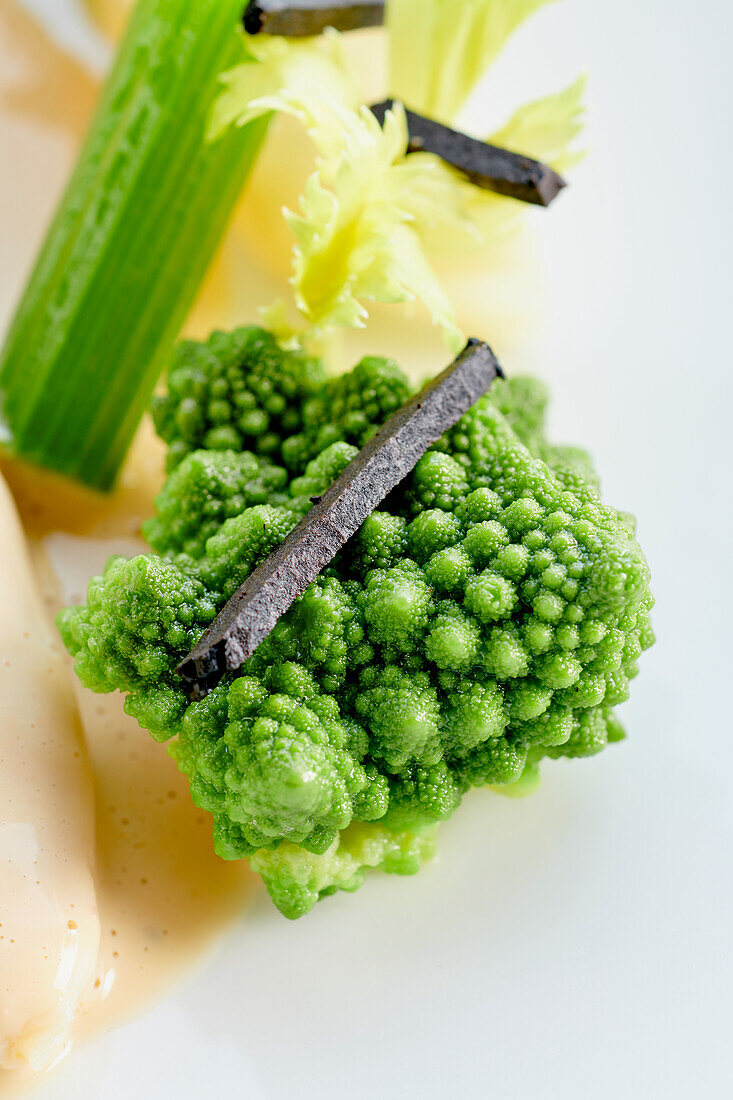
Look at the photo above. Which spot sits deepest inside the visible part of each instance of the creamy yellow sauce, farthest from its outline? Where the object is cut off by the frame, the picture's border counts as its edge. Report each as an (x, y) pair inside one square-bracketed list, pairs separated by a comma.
[(158, 892), (109, 885), (49, 921)]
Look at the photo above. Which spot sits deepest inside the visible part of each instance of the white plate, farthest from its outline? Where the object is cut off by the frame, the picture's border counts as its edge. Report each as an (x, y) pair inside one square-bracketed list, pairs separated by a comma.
[(576, 944)]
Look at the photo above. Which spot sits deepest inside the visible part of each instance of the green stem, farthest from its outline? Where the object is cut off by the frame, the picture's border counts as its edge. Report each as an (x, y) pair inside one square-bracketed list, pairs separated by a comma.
[(143, 213)]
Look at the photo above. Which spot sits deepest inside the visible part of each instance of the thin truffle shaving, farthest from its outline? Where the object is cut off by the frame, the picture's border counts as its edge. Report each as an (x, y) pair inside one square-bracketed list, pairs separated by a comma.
[(487, 166)]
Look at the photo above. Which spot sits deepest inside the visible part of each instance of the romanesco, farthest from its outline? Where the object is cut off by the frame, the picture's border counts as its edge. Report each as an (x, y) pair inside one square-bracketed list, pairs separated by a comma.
[(490, 614), (241, 391)]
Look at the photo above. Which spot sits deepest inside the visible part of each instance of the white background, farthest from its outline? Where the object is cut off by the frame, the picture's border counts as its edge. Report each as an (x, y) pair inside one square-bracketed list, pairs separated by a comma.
[(576, 944)]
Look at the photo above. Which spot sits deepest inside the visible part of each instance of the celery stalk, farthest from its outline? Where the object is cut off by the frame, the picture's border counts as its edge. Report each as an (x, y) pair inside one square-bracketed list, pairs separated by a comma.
[(145, 208)]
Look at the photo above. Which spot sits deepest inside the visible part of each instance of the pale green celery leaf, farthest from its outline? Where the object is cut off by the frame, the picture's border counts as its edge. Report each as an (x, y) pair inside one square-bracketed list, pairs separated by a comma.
[(546, 128), (275, 65), (372, 221), (440, 49), (366, 216), (439, 200)]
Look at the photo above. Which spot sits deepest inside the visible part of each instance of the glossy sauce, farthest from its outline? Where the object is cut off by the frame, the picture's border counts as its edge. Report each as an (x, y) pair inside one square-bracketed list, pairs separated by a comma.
[(109, 885), (49, 921), (162, 895)]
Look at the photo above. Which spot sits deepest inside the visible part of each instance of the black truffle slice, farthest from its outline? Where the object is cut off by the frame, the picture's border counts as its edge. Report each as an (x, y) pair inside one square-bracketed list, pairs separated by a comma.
[(299, 20), (486, 165), (380, 466)]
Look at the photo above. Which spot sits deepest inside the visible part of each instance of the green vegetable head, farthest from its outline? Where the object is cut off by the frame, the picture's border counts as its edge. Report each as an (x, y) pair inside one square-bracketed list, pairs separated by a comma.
[(491, 614)]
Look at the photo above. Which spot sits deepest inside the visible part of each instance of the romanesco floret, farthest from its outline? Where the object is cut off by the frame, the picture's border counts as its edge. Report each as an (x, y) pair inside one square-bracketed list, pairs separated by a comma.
[(490, 614), (207, 488), (238, 391), (242, 391)]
